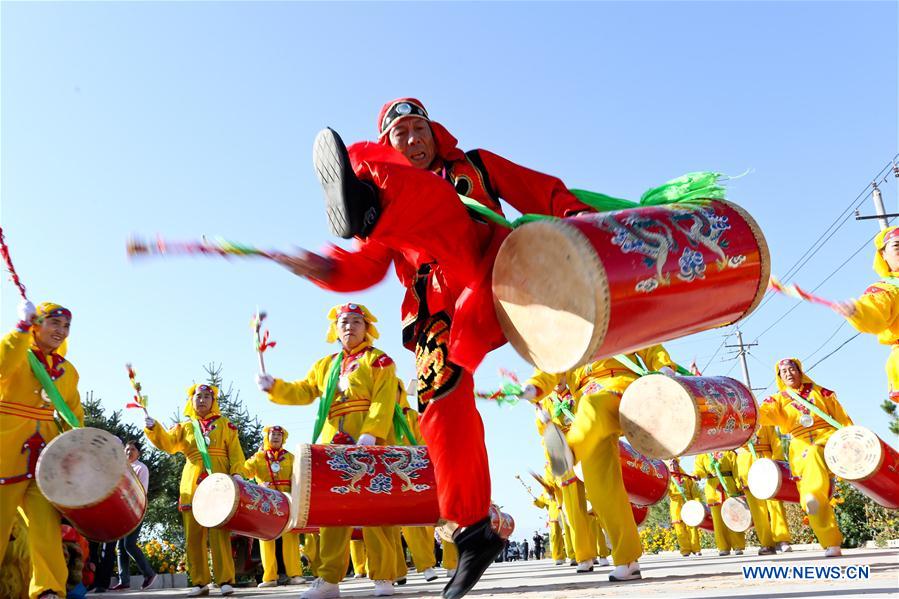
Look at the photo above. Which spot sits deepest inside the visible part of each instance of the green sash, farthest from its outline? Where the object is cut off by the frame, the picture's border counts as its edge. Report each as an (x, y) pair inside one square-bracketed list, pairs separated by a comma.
[(201, 446), (324, 406), (49, 386), (824, 415)]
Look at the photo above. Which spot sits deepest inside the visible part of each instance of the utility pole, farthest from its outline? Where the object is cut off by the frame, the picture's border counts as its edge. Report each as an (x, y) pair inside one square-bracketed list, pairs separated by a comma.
[(742, 351), (878, 206)]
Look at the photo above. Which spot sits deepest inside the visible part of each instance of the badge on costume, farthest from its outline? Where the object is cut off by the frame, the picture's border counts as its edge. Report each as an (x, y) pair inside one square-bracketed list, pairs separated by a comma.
[(206, 438), (276, 467), (806, 420)]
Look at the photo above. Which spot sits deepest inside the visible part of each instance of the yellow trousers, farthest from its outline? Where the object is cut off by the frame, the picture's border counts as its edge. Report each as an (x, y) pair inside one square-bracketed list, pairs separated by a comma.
[(450, 555), (400, 568), (556, 542), (687, 536), (725, 538), (807, 462), (593, 437), (48, 565), (219, 540), (334, 549), (310, 550), (357, 555), (600, 534), (569, 546), (290, 553), (760, 520), (583, 533), (420, 540), (777, 515)]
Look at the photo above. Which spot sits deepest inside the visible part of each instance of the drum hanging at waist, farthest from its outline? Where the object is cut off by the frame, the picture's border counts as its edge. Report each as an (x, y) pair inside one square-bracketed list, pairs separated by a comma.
[(861, 458), (241, 506)]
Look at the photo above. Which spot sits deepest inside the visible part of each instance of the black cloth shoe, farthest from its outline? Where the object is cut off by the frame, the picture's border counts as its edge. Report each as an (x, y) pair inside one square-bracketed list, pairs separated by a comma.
[(352, 205), (478, 547)]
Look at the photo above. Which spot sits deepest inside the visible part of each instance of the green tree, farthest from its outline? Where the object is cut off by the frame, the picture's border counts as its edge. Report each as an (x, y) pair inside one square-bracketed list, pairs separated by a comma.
[(889, 406), (249, 429)]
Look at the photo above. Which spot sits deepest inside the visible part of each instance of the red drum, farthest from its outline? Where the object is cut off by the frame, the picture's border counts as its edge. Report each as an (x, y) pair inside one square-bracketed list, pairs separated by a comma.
[(355, 485), (640, 513), (861, 458), (671, 416), (645, 479), (735, 514), (501, 522), (566, 290), (240, 506), (695, 513), (84, 473), (772, 479)]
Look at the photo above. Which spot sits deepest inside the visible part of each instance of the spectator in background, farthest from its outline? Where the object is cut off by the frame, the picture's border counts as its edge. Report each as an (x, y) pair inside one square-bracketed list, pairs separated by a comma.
[(127, 546)]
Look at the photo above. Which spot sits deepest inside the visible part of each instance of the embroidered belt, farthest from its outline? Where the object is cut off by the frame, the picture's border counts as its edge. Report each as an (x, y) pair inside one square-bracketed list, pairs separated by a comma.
[(805, 431), (194, 456), (31, 412), (349, 407)]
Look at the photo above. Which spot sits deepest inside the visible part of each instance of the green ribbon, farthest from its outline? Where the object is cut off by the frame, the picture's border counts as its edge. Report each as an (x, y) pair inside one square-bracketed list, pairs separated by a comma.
[(631, 365), (560, 407), (49, 386), (201, 446), (821, 413), (752, 451), (680, 488), (401, 426), (324, 406), (719, 476)]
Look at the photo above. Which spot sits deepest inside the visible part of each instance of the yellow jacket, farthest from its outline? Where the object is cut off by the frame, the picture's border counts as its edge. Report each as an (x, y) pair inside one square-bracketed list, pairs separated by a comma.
[(365, 400), (768, 443), (702, 468), (548, 503), (877, 313), (607, 374), (689, 486), (559, 418), (224, 448), (23, 410)]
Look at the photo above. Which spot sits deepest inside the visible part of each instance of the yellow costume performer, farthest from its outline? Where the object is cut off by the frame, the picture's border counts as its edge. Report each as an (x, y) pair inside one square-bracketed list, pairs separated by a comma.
[(681, 489), (768, 445), (877, 311), (556, 540), (561, 405), (602, 549), (809, 435), (226, 456), (758, 508), (703, 467), (26, 426), (272, 467), (593, 439), (361, 411)]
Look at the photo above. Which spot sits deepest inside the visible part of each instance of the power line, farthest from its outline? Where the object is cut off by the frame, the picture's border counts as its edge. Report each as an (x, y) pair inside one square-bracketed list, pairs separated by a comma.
[(717, 351), (826, 341), (839, 347)]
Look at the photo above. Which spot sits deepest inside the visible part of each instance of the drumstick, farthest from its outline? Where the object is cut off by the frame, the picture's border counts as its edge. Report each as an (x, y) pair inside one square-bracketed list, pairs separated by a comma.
[(261, 339), (527, 488), (215, 247), (796, 292), (140, 401), (543, 483), (13, 275)]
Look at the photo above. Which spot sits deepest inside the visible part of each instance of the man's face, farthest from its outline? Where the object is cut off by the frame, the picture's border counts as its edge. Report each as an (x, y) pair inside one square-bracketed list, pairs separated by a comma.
[(131, 453), (202, 401), (275, 438), (890, 253), (351, 329), (413, 137), (52, 332), (790, 375)]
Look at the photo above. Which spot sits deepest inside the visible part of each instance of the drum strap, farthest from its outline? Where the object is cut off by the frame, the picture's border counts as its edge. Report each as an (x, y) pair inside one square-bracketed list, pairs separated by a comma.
[(752, 451), (43, 377), (720, 477), (680, 488), (201, 445), (642, 371), (821, 413), (324, 406)]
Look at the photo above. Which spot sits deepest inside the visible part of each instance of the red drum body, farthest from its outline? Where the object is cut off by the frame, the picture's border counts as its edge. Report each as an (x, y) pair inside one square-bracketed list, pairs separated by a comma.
[(501, 522), (355, 485), (640, 513), (645, 479), (566, 291), (85, 475), (736, 515), (695, 513), (240, 506), (772, 479), (862, 459), (666, 417)]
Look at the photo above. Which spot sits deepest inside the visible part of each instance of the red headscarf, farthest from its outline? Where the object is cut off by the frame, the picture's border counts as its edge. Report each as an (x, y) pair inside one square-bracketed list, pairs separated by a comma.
[(445, 143)]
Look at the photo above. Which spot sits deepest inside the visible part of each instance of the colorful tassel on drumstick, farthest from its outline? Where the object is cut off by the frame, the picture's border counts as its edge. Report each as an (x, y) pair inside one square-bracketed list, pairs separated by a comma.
[(260, 338), (13, 275), (794, 291), (526, 487), (139, 400), (509, 392), (137, 247)]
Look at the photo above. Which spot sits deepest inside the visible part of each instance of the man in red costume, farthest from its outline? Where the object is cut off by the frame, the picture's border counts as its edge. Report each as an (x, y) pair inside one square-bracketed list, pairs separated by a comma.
[(399, 199)]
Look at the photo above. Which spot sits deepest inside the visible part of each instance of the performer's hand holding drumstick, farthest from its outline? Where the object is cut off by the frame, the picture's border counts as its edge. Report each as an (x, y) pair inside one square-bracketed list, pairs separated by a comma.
[(305, 264)]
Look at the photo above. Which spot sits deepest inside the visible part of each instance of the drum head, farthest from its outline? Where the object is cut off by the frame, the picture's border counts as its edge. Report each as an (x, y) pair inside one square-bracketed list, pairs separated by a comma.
[(215, 500), (853, 453), (81, 467), (736, 515), (764, 478), (551, 295), (301, 486), (693, 513), (659, 417)]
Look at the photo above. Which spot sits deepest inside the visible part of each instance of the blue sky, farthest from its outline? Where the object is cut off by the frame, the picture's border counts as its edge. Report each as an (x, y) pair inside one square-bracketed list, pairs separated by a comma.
[(198, 118)]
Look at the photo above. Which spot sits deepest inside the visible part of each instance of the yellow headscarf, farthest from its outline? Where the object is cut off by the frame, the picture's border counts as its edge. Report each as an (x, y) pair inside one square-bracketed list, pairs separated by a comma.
[(46, 310), (880, 265), (371, 332), (780, 382), (189, 406), (265, 442)]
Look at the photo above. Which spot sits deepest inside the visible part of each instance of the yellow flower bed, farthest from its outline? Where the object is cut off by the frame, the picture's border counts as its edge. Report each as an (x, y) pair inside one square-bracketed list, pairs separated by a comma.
[(656, 539), (164, 557)]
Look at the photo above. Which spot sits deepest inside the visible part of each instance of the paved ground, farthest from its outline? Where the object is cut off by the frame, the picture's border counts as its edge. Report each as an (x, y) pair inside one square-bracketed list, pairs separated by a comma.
[(663, 576)]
